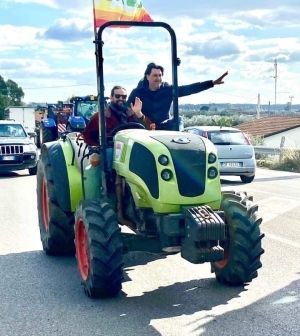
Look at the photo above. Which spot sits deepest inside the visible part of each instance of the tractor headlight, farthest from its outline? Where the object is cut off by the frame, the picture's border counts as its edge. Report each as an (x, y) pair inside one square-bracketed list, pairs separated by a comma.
[(166, 175), (212, 158), (212, 173), (163, 160)]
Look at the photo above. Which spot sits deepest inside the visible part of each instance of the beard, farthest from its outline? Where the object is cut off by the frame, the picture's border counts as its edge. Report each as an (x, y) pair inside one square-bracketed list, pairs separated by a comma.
[(119, 108)]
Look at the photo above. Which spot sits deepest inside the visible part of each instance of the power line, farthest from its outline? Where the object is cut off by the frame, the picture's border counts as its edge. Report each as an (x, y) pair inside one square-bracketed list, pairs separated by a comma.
[(75, 85), (122, 80)]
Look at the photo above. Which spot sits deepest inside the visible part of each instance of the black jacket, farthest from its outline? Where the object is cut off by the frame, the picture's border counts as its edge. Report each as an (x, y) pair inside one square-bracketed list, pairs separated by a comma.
[(156, 104)]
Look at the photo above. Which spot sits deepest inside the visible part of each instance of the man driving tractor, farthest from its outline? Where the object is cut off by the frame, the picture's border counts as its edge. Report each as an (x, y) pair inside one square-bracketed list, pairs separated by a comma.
[(116, 113)]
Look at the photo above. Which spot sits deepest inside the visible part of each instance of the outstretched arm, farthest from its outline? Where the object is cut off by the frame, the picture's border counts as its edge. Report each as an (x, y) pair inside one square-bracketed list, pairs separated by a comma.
[(186, 90)]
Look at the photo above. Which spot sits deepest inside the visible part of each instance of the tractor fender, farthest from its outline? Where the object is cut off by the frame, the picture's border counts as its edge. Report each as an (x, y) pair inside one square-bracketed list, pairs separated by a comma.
[(60, 173), (48, 122), (77, 122)]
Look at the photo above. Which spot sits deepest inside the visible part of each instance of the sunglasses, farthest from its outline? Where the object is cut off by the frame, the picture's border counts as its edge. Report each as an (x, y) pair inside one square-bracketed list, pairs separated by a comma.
[(118, 96)]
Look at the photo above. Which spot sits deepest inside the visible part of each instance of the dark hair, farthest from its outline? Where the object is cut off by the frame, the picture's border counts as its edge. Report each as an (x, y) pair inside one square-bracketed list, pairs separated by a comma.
[(151, 66), (116, 87)]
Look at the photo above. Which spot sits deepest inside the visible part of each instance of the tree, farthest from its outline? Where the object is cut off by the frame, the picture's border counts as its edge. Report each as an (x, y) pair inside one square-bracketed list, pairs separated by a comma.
[(4, 103), (10, 95), (15, 92), (3, 87)]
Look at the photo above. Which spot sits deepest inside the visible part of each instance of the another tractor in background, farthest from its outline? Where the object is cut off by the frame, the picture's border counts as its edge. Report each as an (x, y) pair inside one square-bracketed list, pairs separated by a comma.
[(84, 107)]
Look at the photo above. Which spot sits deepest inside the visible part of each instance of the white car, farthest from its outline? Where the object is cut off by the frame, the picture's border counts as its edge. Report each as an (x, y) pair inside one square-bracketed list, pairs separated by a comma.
[(17, 150), (235, 152)]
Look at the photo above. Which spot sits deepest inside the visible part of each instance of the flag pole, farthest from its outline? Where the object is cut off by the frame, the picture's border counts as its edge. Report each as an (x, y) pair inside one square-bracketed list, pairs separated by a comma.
[(96, 54)]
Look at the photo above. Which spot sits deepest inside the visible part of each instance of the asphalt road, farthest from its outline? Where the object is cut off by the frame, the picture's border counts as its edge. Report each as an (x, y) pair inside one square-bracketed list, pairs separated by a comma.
[(41, 295)]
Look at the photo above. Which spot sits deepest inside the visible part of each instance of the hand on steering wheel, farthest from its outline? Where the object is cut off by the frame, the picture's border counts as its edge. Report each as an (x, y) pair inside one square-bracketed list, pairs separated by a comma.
[(130, 125)]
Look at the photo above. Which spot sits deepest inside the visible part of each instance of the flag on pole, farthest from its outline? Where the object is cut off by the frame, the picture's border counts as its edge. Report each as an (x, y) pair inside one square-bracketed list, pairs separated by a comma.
[(119, 10)]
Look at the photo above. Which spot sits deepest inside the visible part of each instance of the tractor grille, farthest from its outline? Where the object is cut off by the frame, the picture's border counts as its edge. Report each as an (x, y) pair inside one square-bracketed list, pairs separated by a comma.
[(142, 163), (11, 149), (189, 162)]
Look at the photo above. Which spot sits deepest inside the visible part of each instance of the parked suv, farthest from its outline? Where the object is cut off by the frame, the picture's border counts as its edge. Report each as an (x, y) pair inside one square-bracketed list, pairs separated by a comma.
[(235, 152), (17, 150)]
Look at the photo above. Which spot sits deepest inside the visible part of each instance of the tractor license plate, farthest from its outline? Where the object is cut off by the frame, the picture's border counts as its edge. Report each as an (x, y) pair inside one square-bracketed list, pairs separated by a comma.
[(231, 164), (8, 158)]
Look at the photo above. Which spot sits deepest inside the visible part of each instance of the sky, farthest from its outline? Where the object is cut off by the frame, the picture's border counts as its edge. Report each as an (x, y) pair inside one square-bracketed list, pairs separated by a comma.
[(46, 46)]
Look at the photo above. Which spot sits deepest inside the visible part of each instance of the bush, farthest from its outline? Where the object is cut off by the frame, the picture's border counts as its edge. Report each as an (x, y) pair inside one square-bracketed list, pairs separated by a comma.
[(194, 119), (289, 161)]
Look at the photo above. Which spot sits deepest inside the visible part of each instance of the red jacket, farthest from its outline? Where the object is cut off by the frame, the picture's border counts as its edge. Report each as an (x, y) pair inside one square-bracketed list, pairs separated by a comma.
[(91, 132)]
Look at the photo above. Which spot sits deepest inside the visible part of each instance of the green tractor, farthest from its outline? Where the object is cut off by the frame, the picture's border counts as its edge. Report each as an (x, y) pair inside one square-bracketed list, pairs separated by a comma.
[(163, 196)]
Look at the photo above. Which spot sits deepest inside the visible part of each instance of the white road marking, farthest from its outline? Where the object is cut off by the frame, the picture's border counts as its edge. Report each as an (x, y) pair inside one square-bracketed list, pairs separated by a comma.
[(282, 240), (272, 207), (273, 194)]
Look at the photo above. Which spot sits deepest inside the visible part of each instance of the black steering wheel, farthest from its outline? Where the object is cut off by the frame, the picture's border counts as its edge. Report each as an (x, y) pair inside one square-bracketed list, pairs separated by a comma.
[(130, 125)]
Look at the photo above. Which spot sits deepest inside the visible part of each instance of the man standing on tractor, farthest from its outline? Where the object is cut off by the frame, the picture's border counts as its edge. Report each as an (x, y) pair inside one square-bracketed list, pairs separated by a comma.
[(157, 96)]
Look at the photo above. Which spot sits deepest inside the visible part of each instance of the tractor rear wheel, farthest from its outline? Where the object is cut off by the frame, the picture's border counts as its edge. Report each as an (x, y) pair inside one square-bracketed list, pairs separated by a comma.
[(46, 135), (99, 248), (242, 245), (56, 226)]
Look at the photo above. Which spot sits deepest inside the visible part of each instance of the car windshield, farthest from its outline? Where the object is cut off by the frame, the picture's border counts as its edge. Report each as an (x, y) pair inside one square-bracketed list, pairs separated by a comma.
[(12, 131), (86, 109), (227, 137)]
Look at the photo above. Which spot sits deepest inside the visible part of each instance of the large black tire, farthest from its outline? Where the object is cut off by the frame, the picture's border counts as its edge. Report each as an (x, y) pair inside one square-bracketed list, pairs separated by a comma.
[(243, 240), (46, 135), (99, 248), (56, 226)]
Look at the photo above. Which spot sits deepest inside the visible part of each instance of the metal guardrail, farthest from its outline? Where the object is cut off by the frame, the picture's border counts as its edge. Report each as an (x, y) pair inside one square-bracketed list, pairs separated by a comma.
[(272, 150)]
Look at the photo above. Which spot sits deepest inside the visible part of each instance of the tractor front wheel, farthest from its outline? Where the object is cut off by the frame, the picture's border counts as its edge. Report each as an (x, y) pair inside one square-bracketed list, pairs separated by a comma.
[(242, 244), (56, 226), (99, 248)]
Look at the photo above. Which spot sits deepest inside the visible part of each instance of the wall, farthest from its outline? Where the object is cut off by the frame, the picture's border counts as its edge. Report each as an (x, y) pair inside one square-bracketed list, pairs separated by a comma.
[(292, 139)]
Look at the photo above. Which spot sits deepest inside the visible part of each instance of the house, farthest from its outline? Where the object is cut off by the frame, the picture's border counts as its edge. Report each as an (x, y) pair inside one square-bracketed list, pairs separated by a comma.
[(273, 129)]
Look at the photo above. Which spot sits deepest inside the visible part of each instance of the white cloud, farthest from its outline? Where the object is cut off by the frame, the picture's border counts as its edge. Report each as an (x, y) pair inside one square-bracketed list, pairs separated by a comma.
[(63, 53), (68, 30)]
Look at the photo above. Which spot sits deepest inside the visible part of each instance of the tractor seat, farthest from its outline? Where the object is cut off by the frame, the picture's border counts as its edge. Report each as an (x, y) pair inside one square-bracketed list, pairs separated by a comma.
[(80, 149)]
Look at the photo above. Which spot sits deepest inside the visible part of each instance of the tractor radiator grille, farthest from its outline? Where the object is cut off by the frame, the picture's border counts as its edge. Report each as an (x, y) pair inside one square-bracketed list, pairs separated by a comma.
[(11, 149), (189, 162), (142, 163)]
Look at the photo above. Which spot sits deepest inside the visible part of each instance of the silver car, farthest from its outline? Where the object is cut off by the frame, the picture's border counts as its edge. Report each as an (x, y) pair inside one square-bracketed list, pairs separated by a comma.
[(235, 152)]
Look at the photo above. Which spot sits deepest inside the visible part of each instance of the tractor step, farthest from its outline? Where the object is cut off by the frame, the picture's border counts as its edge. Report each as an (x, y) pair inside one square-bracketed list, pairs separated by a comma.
[(203, 230)]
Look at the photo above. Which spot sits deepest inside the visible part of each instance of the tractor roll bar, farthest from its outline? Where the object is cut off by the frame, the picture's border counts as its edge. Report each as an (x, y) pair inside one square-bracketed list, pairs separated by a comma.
[(99, 61)]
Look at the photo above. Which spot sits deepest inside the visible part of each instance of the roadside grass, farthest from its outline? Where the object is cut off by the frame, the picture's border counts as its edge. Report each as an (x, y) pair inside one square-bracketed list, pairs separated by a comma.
[(288, 161)]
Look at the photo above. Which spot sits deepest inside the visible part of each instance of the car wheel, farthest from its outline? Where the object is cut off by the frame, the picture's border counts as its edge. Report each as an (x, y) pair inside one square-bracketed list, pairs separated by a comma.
[(247, 179), (33, 170)]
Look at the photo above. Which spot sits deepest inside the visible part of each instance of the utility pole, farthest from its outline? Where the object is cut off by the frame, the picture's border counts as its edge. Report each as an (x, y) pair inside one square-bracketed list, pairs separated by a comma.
[(275, 77), (291, 98), (258, 107)]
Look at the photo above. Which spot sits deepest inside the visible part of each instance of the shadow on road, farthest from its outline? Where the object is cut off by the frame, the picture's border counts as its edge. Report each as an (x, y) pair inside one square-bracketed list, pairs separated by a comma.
[(9, 175), (45, 291), (277, 178), (275, 314)]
